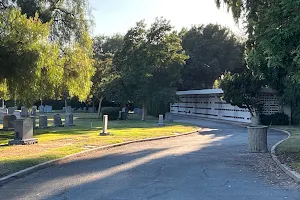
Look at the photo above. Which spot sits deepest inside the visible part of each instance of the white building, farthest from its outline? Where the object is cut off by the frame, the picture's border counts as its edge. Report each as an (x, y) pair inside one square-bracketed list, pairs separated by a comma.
[(208, 104)]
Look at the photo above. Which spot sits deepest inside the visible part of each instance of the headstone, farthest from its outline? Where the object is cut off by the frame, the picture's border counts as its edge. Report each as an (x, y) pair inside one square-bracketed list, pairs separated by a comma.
[(34, 118), (168, 117), (120, 115), (91, 109), (9, 122), (136, 110), (64, 109), (57, 121), (105, 123), (124, 115), (24, 112), (41, 109), (84, 109), (17, 114), (23, 132), (4, 110), (34, 108), (161, 120), (79, 110), (68, 109), (43, 121), (69, 120), (140, 112), (48, 109), (73, 110), (11, 110)]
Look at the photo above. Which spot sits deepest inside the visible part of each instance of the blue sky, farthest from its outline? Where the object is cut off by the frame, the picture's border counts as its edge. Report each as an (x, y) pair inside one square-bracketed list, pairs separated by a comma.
[(117, 16)]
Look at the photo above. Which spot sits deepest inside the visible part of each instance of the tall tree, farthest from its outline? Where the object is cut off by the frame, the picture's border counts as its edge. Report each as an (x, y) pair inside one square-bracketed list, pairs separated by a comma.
[(273, 49), (149, 62), (212, 50), (25, 55), (105, 77)]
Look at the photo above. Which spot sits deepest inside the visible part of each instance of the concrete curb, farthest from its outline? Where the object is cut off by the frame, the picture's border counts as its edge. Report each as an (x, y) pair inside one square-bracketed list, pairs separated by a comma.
[(34, 168), (290, 172)]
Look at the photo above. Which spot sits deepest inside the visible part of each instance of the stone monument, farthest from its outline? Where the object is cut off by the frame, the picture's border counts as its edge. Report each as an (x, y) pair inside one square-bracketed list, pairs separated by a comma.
[(23, 132), (105, 123), (57, 121), (41, 109), (9, 122), (24, 112), (168, 117), (69, 120), (11, 110), (43, 121), (161, 121), (91, 109), (17, 114)]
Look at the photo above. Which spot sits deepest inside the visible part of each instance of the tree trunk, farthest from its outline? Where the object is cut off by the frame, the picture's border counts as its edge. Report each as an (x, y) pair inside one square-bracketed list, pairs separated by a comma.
[(3, 104), (255, 120), (144, 111), (99, 107), (257, 139), (41, 102), (66, 104)]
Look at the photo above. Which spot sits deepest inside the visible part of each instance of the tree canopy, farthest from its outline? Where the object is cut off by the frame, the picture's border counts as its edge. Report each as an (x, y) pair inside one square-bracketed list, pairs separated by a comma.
[(149, 62), (273, 44), (212, 50)]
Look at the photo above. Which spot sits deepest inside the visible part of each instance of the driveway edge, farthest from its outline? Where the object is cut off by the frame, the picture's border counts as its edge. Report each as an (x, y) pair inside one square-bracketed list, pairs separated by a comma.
[(290, 172), (49, 163)]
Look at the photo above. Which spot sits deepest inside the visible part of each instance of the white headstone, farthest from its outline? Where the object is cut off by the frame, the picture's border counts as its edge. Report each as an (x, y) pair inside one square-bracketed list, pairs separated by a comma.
[(161, 120)]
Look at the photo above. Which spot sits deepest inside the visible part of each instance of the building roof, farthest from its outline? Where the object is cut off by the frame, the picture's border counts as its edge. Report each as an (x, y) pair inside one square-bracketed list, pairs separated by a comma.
[(206, 91), (216, 91)]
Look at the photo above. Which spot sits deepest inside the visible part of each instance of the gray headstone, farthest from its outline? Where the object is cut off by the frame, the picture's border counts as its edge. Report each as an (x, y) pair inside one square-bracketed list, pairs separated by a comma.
[(23, 132), (91, 109), (48, 109), (11, 110), (161, 120), (69, 120), (68, 109), (17, 114), (84, 109), (9, 122), (140, 112), (43, 121), (41, 109), (24, 112), (34, 108), (136, 110), (168, 117), (57, 120)]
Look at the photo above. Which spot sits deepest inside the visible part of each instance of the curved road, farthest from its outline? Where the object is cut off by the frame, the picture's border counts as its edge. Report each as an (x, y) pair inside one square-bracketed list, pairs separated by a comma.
[(210, 165)]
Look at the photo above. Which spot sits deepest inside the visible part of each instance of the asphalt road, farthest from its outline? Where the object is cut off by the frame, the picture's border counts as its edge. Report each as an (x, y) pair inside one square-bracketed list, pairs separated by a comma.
[(210, 165)]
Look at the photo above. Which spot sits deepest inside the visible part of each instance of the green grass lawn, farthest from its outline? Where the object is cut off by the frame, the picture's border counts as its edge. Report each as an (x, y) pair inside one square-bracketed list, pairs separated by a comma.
[(289, 151), (58, 142)]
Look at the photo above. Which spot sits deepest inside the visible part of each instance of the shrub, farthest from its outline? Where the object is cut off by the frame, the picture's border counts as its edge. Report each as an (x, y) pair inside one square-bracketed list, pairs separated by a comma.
[(112, 112), (275, 119)]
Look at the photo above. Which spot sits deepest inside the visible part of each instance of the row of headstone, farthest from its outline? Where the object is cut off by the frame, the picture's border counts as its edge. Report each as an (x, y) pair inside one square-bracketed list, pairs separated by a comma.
[(45, 109)]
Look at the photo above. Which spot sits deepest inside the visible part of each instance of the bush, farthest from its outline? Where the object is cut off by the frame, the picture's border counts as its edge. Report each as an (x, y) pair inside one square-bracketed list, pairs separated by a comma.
[(112, 112), (275, 119)]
